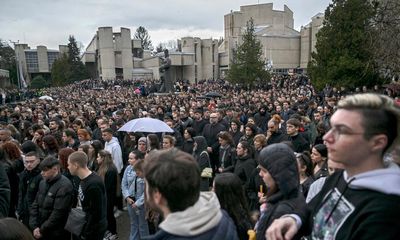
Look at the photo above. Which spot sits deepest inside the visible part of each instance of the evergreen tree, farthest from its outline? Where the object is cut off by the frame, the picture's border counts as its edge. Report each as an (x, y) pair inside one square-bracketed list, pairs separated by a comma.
[(7, 61), (142, 34), (344, 56), (58, 71), (69, 69), (248, 66), (39, 82)]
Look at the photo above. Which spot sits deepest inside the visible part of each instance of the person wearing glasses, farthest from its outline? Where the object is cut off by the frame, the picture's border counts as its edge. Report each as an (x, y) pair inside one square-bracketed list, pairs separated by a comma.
[(362, 200)]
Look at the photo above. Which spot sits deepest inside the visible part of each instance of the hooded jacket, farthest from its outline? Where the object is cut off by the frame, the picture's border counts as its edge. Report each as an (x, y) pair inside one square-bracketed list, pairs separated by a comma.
[(365, 206), (281, 164), (204, 220), (203, 159), (114, 148)]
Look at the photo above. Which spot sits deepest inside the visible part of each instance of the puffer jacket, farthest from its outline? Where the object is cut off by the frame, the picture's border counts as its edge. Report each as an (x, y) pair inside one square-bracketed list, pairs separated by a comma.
[(51, 207)]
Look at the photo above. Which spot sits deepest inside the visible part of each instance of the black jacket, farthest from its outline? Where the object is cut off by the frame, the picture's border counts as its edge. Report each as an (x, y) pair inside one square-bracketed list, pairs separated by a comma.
[(28, 188), (299, 143), (277, 137), (210, 132), (50, 209), (227, 158), (244, 167), (4, 193), (282, 167)]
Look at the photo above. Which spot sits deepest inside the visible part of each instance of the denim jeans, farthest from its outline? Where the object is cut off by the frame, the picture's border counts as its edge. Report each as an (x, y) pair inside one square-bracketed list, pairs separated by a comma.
[(139, 227)]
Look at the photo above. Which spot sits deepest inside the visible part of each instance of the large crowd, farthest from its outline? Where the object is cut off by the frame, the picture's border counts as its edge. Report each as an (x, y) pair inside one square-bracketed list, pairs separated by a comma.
[(262, 151)]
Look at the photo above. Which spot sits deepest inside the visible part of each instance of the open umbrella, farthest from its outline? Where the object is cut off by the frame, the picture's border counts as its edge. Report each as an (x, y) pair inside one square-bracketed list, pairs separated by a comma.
[(213, 94), (150, 125), (46, 98)]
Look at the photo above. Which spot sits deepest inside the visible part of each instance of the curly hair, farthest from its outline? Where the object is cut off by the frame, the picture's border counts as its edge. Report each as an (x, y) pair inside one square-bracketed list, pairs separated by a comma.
[(51, 144), (63, 155), (11, 150)]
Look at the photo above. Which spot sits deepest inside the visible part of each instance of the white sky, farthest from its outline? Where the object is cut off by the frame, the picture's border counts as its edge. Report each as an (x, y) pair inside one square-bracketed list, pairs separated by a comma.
[(50, 22)]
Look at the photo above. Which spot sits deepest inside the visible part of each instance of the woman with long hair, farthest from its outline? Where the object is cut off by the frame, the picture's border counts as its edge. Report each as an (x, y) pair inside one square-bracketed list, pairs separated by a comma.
[(188, 141), (153, 143), (231, 196), (10, 157), (319, 157), (133, 192), (305, 168), (227, 154), (97, 146), (108, 172), (63, 155), (255, 182), (50, 146)]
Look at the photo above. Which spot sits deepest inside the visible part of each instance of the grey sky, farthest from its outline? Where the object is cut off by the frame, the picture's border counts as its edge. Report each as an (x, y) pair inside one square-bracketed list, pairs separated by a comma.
[(50, 22)]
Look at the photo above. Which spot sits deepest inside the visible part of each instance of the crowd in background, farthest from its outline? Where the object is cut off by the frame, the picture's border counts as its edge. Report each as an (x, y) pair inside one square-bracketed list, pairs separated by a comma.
[(225, 131)]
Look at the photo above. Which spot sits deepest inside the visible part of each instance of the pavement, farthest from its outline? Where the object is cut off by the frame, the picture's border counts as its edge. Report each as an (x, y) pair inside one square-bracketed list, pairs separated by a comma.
[(123, 226)]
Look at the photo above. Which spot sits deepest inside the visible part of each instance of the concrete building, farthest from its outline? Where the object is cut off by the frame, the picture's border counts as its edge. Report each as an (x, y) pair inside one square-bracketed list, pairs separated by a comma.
[(34, 62), (309, 39), (114, 55), (283, 46), (109, 55)]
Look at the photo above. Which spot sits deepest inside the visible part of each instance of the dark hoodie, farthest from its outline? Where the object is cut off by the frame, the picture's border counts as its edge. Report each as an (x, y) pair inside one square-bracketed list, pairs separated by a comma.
[(365, 206), (281, 164), (203, 159)]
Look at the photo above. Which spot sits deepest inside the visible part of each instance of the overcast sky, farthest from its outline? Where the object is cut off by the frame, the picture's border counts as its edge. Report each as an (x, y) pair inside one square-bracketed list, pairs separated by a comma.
[(50, 22)]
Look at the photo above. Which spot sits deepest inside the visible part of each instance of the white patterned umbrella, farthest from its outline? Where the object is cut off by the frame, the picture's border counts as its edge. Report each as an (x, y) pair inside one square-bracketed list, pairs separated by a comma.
[(150, 125)]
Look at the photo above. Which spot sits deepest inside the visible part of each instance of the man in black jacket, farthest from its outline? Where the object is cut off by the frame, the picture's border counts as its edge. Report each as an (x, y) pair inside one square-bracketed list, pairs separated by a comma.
[(53, 202), (210, 132), (361, 201), (28, 186)]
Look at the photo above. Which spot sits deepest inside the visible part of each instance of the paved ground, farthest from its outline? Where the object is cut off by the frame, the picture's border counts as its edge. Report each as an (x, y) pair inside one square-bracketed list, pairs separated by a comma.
[(123, 226)]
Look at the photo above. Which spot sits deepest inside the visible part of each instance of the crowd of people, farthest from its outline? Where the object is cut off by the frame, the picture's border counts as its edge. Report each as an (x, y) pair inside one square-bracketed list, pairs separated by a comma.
[(276, 161)]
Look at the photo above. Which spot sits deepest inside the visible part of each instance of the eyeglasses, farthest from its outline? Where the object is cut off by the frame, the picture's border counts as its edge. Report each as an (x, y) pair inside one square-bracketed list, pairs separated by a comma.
[(338, 131)]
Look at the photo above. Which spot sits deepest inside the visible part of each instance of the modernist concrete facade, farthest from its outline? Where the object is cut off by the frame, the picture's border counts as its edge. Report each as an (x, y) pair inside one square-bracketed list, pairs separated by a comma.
[(39, 61), (109, 54), (283, 46), (114, 55)]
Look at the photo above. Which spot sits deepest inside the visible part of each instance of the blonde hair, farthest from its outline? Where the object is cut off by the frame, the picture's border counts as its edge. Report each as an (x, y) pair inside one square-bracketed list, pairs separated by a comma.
[(380, 115)]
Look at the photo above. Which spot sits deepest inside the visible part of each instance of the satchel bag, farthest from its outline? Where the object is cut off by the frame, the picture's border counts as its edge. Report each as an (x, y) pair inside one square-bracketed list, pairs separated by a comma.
[(207, 172), (76, 221)]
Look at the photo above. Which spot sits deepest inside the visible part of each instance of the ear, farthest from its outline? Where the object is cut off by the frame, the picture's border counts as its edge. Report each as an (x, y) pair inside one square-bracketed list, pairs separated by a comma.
[(157, 197), (378, 142)]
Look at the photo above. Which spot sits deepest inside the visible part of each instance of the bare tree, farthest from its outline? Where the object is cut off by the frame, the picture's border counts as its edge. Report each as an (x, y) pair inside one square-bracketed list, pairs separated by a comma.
[(385, 37)]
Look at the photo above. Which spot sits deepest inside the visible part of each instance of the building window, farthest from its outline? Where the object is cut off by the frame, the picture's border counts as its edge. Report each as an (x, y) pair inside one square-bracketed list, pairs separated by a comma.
[(32, 62), (52, 57)]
